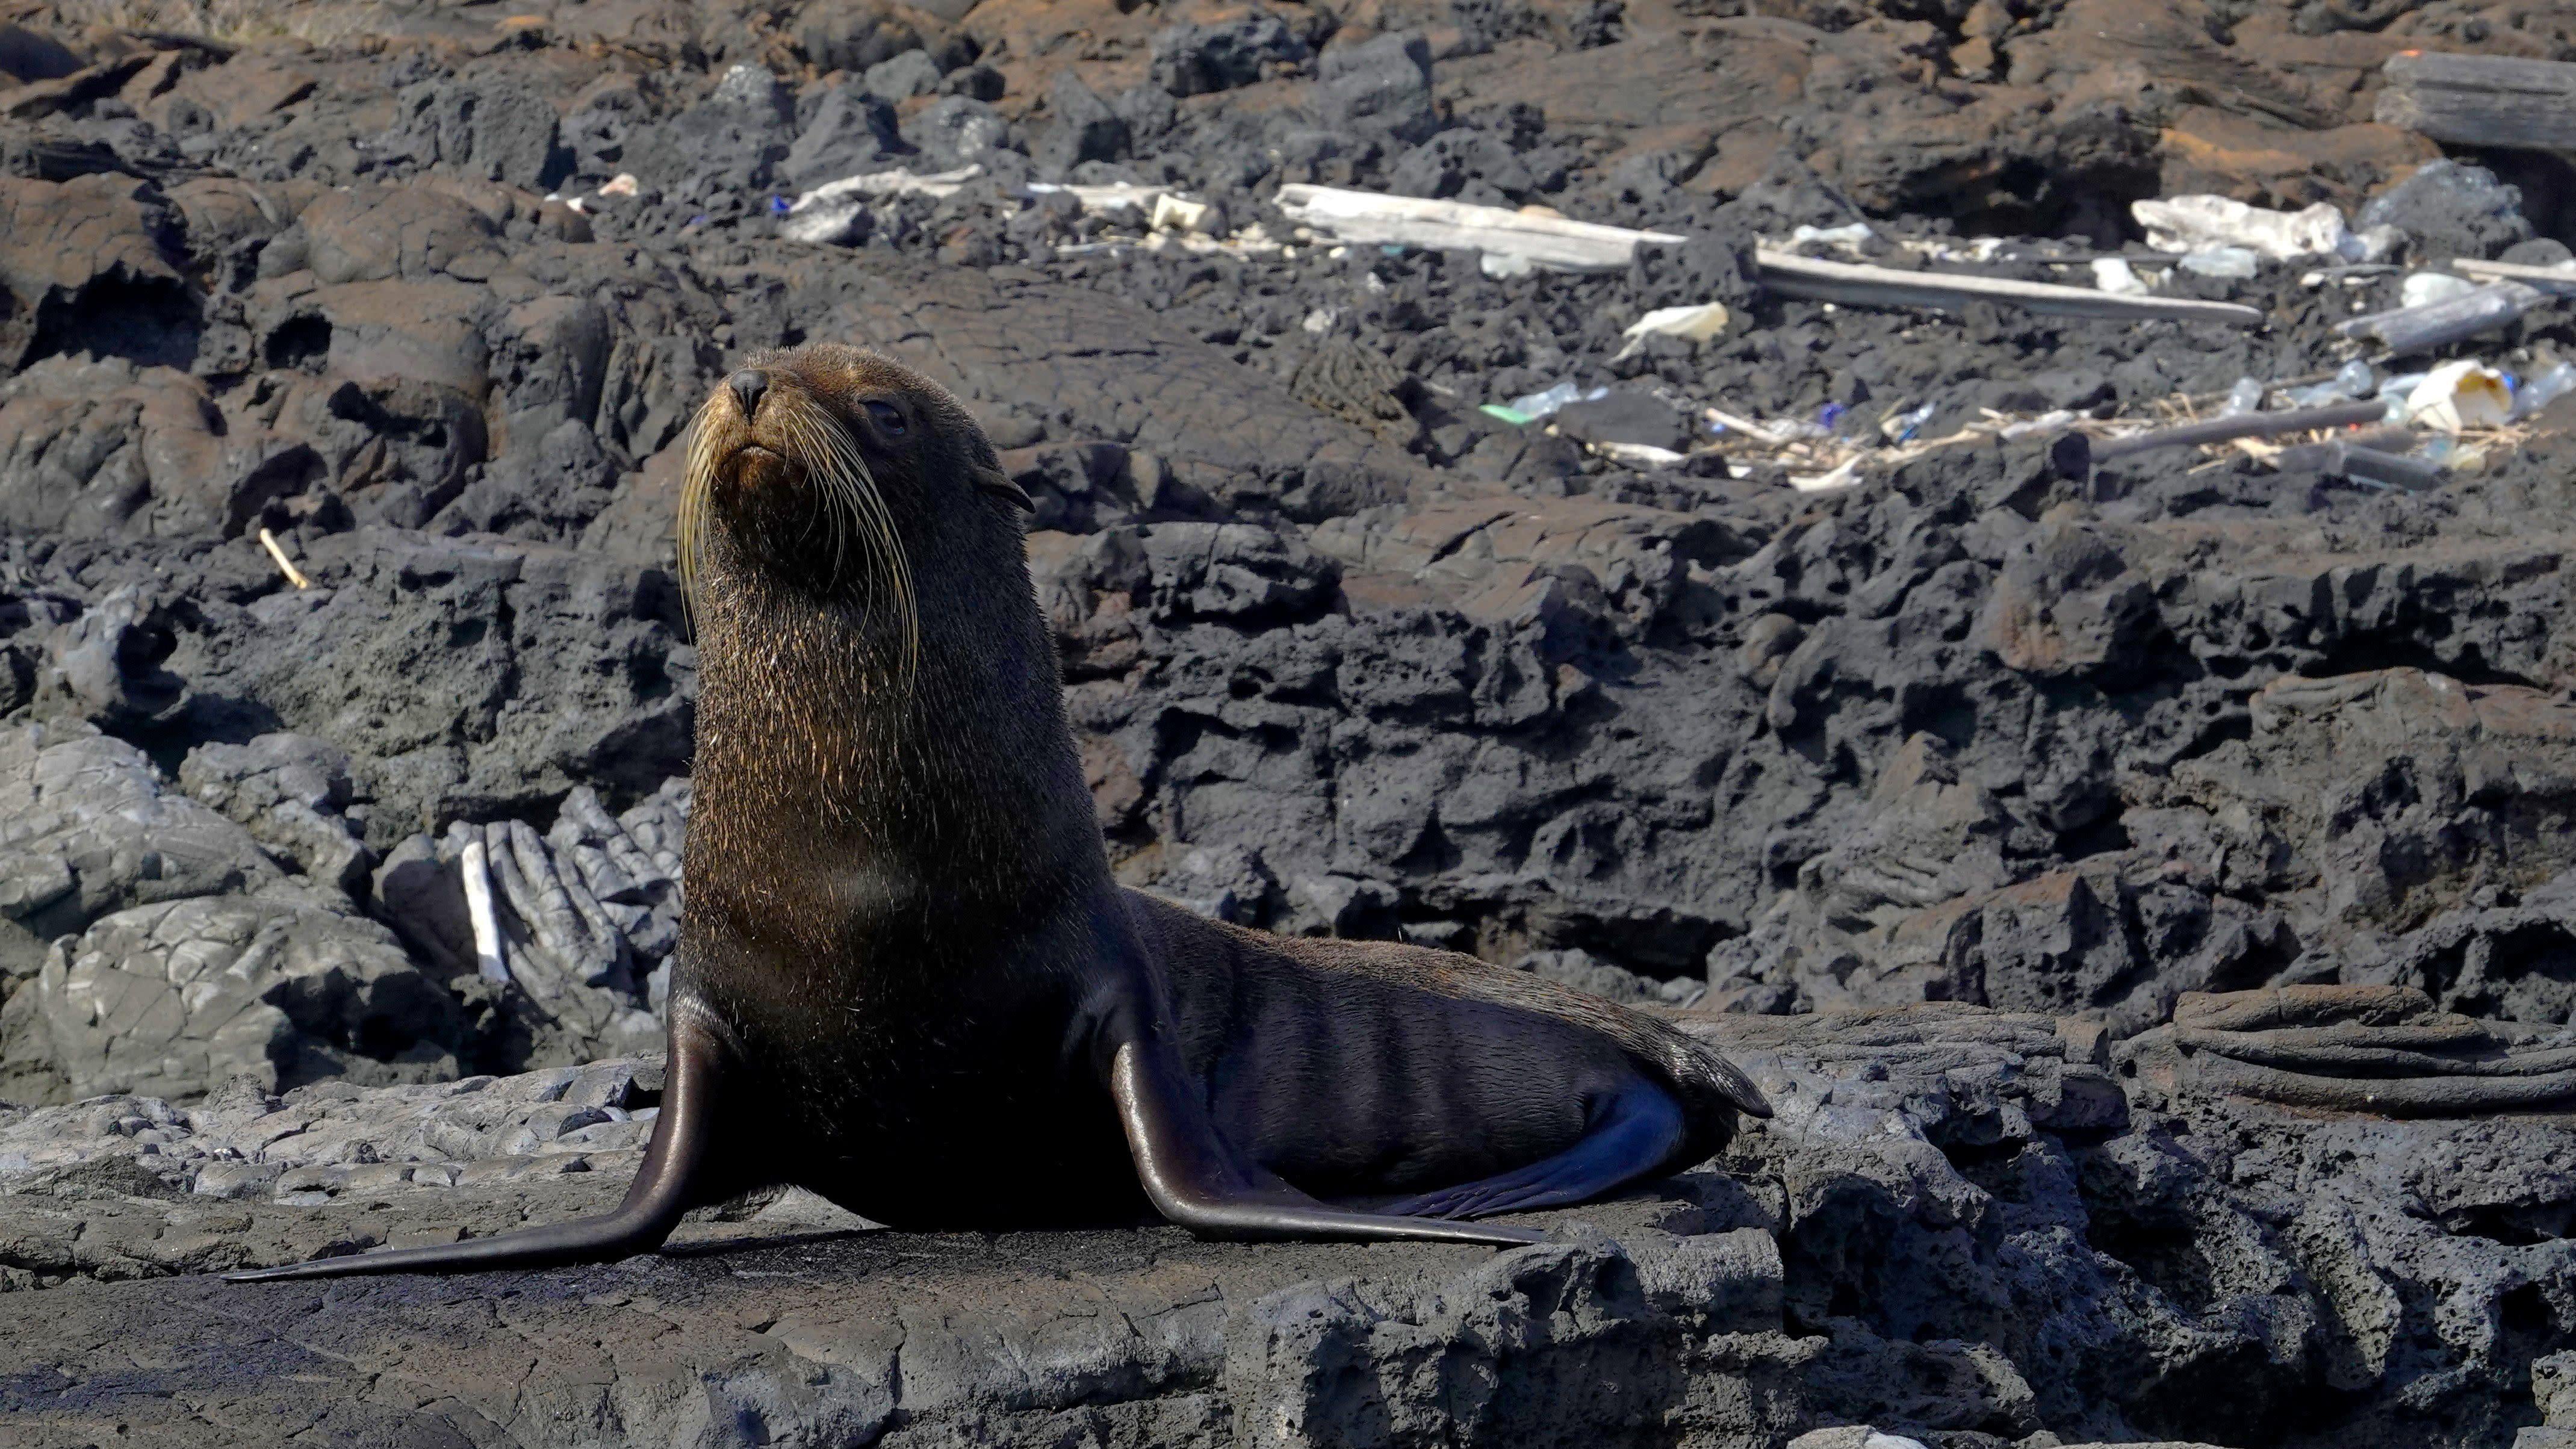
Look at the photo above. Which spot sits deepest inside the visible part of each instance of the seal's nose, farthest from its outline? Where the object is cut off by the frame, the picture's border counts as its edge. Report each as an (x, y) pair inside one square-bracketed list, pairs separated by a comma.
[(747, 386)]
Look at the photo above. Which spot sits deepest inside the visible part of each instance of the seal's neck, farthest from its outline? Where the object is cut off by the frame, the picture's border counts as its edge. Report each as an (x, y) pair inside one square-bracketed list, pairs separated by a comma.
[(946, 781)]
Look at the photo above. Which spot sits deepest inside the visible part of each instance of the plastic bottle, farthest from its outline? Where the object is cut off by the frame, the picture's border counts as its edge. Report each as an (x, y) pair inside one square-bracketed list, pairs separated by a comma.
[(2354, 379), (2245, 397), (1541, 404), (2548, 387)]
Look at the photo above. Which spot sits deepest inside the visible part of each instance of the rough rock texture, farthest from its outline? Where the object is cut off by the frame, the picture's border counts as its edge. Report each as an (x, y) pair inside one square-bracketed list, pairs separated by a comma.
[(1957, 1226), (426, 295)]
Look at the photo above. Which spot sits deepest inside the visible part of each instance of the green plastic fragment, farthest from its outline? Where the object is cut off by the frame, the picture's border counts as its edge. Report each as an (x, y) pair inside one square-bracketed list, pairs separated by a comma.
[(1513, 416)]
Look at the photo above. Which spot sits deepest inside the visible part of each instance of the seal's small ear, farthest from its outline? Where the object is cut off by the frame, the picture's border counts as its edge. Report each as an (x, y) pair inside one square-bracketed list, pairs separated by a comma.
[(999, 484)]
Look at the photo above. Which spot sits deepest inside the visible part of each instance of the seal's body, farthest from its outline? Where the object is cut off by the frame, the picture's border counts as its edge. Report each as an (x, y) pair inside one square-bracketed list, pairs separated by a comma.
[(907, 980)]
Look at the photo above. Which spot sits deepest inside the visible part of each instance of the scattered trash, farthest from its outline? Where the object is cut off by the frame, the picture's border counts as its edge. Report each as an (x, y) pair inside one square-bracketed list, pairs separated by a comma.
[(2434, 324), (2228, 263), (1901, 427), (490, 962), (2353, 460), (1536, 405), (1816, 279), (623, 184), (2463, 394), (2450, 209), (1829, 415), (2423, 289), (1173, 213), (1111, 200), (2245, 397), (1646, 453), (2545, 389), (2558, 279), (2188, 223), (1511, 415), (1845, 476), (286, 566), (2110, 274), (1850, 235), (1746, 426), (829, 212), (1696, 324), (2354, 379), (1534, 240), (778, 206), (1505, 264)]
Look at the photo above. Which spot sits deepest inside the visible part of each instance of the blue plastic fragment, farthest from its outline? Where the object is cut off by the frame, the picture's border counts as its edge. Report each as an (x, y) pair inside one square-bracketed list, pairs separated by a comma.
[(1832, 414), (778, 206)]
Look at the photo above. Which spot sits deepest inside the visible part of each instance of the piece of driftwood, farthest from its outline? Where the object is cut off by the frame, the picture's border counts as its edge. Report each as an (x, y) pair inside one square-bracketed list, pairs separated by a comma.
[(2075, 455), (1547, 241), (2404, 330), (1858, 284), (2480, 100)]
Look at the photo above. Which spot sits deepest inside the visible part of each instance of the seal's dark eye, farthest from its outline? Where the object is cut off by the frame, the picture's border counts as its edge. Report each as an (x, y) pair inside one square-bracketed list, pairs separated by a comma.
[(888, 417)]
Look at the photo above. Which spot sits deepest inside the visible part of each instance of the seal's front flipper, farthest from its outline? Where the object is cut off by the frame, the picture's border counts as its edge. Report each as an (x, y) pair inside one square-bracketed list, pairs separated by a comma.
[(1638, 1131), (1196, 1181), (673, 1180)]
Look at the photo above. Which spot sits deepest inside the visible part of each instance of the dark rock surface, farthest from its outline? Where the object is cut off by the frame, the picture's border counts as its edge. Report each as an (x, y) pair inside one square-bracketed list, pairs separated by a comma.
[(1957, 1226), (427, 295)]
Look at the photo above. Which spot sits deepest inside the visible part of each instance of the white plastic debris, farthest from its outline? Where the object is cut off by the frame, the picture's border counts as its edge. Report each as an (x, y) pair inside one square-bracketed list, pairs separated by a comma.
[(1505, 264), (1850, 235), (1833, 482), (2231, 263), (1105, 200), (2423, 289), (1530, 235), (2463, 394), (2113, 275), (1644, 453), (1173, 213), (491, 958), (1694, 324), (2545, 389), (2188, 223), (826, 213), (1540, 404), (623, 184)]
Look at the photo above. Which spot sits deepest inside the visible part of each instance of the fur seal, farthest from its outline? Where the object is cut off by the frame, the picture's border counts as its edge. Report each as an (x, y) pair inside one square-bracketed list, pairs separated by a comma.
[(907, 980)]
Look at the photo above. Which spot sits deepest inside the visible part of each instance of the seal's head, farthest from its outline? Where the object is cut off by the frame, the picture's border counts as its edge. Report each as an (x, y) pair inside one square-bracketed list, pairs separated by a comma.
[(827, 470)]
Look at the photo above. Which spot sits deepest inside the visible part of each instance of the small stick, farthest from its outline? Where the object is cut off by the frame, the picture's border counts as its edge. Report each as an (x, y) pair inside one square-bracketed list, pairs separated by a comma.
[(489, 962), (294, 575), (1746, 426)]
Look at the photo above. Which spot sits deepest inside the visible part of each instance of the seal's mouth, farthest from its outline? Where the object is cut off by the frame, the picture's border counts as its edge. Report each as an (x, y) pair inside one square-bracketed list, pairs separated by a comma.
[(796, 455)]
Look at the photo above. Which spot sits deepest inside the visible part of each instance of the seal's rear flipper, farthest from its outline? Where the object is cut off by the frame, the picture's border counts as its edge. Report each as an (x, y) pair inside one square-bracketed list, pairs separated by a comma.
[(1197, 1182), (1637, 1132), (672, 1180)]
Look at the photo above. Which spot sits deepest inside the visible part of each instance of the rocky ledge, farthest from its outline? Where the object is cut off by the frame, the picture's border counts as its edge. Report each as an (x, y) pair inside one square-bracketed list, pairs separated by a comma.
[(1966, 1227)]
